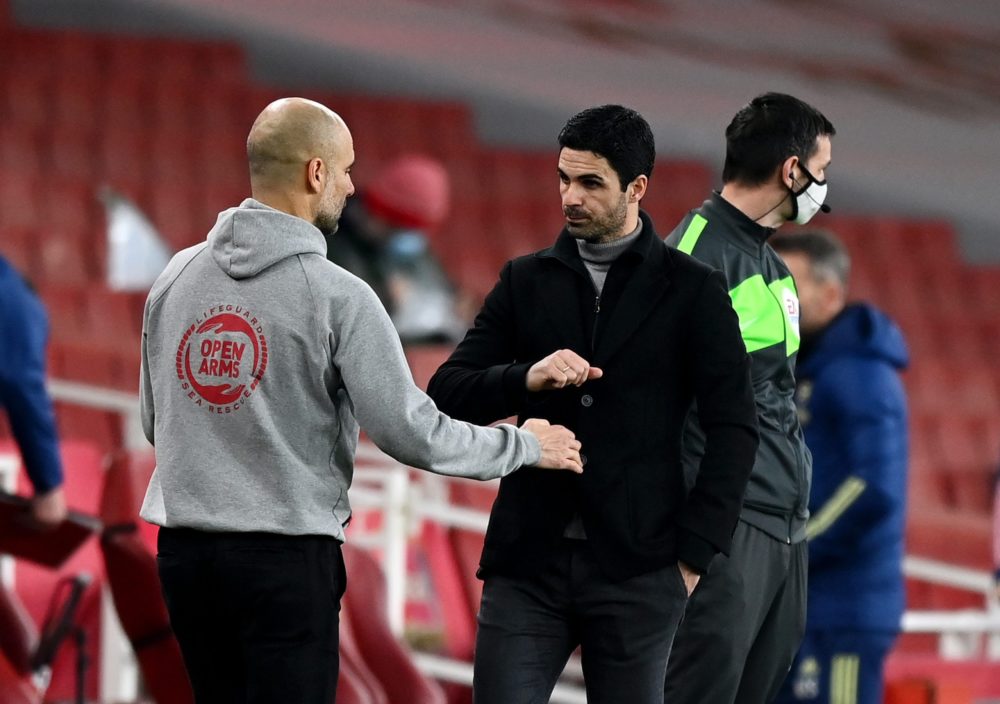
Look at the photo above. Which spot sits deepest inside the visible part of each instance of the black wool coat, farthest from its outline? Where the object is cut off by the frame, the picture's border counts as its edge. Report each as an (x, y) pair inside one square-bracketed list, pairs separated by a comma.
[(665, 335)]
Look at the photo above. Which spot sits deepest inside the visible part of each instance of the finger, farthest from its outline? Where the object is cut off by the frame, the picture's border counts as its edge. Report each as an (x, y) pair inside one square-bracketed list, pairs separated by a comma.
[(572, 372), (560, 368), (573, 358), (575, 445), (595, 373), (572, 466)]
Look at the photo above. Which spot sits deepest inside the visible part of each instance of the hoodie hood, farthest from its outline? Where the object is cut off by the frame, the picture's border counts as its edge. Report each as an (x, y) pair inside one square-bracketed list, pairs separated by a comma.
[(252, 237), (861, 330)]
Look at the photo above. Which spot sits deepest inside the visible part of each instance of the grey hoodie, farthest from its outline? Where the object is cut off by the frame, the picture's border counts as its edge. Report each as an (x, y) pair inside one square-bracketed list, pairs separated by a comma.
[(259, 359)]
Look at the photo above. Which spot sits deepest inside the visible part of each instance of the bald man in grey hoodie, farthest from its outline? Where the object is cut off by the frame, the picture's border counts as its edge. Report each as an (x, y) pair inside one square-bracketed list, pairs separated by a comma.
[(260, 359)]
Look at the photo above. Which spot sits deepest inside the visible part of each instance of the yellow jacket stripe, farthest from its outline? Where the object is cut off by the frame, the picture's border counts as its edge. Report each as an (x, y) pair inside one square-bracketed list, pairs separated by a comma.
[(846, 494), (844, 679)]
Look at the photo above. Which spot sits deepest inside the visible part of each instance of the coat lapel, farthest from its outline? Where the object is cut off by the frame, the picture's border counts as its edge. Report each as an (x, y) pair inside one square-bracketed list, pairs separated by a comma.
[(561, 294), (644, 289)]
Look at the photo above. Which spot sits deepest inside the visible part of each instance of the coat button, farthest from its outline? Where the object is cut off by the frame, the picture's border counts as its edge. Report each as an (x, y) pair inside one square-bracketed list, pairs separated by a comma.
[(587, 400)]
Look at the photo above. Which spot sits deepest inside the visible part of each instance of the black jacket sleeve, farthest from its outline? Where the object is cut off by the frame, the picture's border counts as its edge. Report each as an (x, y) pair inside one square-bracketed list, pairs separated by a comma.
[(728, 416), (482, 382)]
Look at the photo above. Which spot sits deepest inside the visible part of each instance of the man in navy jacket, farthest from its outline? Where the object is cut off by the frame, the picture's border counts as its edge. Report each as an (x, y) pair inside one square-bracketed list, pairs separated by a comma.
[(853, 408), (24, 329)]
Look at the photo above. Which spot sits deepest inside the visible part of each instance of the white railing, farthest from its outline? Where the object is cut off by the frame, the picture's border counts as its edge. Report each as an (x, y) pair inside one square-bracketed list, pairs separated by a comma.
[(963, 634), (126, 405), (383, 485), (119, 670)]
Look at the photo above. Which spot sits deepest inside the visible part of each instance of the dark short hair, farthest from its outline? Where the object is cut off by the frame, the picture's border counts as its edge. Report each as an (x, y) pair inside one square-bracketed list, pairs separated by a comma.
[(826, 254), (619, 134), (771, 128)]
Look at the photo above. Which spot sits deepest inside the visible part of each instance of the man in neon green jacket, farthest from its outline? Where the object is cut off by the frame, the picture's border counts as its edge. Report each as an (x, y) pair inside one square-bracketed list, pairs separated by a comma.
[(744, 622)]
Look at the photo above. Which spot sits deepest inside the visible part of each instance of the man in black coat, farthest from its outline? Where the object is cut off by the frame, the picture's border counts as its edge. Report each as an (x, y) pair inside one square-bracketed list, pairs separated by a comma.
[(613, 335)]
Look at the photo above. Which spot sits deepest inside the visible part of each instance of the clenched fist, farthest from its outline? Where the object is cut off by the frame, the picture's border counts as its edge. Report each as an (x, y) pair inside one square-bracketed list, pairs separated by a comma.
[(561, 368), (560, 448)]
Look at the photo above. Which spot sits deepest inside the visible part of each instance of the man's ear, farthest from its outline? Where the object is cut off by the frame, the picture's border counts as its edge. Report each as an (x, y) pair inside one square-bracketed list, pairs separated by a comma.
[(637, 189), (790, 172), (834, 296), (315, 174)]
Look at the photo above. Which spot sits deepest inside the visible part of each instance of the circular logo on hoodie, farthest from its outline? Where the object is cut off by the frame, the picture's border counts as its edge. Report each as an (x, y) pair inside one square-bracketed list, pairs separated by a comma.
[(221, 358)]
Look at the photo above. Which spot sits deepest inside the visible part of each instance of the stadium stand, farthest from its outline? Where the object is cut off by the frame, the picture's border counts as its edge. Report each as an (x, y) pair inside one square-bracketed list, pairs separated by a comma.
[(164, 121)]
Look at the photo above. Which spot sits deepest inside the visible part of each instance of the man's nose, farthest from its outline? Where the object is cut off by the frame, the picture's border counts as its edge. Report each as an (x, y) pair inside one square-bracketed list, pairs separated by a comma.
[(571, 195)]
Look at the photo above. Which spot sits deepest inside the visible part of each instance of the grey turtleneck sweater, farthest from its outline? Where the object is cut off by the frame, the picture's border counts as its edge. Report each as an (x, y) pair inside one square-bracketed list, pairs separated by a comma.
[(598, 258)]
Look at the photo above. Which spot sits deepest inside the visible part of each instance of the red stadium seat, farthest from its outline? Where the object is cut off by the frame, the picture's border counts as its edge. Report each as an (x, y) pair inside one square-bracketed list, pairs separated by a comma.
[(67, 312), (981, 293), (19, 203), (927, 482), (450, 587), (115, 317), (20, 150), (351, 688), (24, 98), (76, 101), (74, 206), (103, 428), (365, 609), (81, 362), (69, 153), (172, 211), (424, 360), (950, 535), (355, 669), (65, 255), (135, 586), (18, 633), (19, 246), (14, 687), (939, 385), (222, 64)]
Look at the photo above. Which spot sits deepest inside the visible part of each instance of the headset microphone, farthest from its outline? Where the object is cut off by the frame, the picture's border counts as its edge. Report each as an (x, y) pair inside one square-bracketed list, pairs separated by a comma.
[(825, 208)]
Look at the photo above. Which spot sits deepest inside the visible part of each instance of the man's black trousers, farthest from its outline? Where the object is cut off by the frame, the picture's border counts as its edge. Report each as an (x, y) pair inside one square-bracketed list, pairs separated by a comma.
[(743, 625), (529, 626), (256, 615)]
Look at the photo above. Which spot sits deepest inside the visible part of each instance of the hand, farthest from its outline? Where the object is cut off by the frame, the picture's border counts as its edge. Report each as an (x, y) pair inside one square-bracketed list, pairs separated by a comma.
[(559, 369), (48, 510), (690, 577), (560, 448)]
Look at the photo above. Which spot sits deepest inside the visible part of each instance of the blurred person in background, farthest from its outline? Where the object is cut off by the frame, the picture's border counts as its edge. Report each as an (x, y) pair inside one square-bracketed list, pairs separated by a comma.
[(852, 406), (745, 622), (260, 360), (382, 239), (612, 334), (24, 331)]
